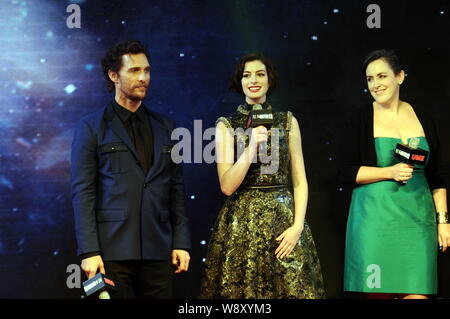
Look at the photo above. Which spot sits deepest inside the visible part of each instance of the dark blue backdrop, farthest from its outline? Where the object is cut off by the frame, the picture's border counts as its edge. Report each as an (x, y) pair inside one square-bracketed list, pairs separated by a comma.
[(50, 77)]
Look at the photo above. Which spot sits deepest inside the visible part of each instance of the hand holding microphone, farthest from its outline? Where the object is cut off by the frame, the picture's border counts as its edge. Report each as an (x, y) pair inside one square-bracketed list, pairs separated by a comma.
[(261, 120), (409, 155), (258, 138), (99, 287), (91, 265), (97, 284), (401, 172)]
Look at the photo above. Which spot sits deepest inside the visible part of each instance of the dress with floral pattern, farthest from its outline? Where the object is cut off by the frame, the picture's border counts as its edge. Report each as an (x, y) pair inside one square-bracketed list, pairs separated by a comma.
[(241, 261)]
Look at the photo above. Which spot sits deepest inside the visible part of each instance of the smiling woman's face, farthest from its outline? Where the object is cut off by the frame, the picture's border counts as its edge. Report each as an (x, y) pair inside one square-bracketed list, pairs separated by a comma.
[(255, 82), (383, 84)]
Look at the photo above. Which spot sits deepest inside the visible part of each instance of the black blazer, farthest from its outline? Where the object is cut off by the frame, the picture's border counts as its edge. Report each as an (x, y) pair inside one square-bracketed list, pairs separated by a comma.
[(119, 210), (359, 147)]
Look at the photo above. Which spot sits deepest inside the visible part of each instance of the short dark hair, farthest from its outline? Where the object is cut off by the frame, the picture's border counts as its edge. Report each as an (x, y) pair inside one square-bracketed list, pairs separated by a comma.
[(236, 77), (389, 56), (113, 58)]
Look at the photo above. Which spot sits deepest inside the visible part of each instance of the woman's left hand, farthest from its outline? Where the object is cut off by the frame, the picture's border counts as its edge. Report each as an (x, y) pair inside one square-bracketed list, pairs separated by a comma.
[(289, 238), (444, 236)]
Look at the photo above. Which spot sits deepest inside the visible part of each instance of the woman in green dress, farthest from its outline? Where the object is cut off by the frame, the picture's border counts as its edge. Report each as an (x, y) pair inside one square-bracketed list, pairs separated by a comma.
[(261, 247), (392, 237)]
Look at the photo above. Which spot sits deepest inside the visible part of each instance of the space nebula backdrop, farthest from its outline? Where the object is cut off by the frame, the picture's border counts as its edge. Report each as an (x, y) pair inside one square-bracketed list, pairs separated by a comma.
[(50, 77)]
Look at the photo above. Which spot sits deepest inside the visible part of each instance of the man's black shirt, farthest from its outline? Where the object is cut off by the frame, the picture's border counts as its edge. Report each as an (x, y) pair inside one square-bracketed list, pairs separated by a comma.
[(143, 137)]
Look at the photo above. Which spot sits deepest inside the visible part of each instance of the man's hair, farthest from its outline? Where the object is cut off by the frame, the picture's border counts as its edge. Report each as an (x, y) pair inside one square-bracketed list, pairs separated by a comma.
[(235, 81), (113, 58)]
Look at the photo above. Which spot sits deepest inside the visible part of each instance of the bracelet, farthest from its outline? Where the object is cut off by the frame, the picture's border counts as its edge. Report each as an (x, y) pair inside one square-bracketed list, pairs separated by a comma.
[(442, 217)]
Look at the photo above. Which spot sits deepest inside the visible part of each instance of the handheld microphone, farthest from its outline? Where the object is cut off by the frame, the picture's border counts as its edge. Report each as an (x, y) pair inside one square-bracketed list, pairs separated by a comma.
[(99, 285), (258, 116), (411, 153)]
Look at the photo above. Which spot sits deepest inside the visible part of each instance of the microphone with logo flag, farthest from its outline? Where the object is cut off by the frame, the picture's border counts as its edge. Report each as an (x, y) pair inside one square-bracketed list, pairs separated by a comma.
[(411, 154), (99, 286), (257, 117)]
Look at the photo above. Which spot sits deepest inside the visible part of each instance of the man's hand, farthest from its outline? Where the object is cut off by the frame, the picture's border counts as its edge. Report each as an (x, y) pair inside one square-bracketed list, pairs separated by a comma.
[(91, 265), (180, 259)]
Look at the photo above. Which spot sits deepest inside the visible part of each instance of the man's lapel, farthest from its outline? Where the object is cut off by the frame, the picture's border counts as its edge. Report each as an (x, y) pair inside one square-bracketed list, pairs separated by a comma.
[(116, 125), (158, 137)]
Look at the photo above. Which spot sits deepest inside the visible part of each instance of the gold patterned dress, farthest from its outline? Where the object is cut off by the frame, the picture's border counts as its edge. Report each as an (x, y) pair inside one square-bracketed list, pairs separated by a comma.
[(241, 261)]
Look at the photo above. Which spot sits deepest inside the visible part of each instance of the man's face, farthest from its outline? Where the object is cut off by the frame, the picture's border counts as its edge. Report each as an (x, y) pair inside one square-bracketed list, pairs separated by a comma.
[(133, 78)]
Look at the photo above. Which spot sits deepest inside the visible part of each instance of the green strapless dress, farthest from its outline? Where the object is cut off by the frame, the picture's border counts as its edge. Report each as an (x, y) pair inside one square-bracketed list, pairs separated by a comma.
[(391, 244)]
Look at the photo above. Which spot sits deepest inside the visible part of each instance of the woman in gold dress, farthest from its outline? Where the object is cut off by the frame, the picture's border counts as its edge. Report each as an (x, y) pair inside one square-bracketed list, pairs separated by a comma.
[(262, 246)]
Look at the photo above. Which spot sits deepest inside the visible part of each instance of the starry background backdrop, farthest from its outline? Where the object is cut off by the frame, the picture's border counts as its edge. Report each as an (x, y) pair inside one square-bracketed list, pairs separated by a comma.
[(50, 77)]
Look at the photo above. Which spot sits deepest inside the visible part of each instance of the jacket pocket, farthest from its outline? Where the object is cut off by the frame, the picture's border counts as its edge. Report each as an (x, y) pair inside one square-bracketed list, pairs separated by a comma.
[(166, 155), (112, 154), (110, 215), (166, 149), (113, 147)]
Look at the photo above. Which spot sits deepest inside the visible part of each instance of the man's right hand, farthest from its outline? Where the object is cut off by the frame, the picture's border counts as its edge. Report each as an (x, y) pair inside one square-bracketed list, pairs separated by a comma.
[(91, 265)]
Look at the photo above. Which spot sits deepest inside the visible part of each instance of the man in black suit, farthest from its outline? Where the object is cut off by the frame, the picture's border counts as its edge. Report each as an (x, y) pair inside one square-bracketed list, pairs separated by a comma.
[(127, 193)]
